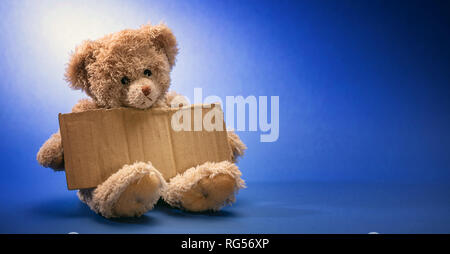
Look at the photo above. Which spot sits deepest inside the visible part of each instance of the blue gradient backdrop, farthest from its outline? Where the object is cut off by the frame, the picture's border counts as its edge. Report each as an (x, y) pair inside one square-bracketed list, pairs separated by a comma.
[(364, 91)]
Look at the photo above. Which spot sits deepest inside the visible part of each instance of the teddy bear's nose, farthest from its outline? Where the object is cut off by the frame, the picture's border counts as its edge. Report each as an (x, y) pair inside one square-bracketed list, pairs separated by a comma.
[(146, 90)]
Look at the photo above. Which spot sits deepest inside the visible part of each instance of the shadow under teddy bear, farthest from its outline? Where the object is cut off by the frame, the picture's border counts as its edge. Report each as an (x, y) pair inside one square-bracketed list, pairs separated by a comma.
[(70, 208)]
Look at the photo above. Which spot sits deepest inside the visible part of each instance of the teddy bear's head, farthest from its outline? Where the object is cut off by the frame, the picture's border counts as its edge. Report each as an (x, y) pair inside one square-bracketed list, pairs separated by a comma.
[(128, 68)]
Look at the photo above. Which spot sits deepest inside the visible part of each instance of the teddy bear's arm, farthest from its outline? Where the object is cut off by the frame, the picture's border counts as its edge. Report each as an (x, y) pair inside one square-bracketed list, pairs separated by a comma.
[(84, 105), (170, 99), (51, 154), (237, 146)]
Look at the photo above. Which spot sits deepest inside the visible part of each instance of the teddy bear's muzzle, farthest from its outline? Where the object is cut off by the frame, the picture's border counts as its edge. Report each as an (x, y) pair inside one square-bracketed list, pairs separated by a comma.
[(141, 93)]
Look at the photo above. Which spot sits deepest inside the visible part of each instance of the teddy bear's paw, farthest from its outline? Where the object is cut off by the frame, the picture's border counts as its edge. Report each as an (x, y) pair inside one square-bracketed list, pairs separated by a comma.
[(210, 193), (130, 192), (237, 146), (209, 186), (50, 154), (138, 197)]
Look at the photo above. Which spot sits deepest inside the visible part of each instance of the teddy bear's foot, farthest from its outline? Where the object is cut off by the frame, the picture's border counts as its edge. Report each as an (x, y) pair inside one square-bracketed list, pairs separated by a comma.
[(209, 186), (130, 192)]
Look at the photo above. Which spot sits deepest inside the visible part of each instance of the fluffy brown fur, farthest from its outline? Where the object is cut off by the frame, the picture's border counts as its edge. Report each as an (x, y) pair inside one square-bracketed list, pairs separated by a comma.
[(97, 67), (131, 68)]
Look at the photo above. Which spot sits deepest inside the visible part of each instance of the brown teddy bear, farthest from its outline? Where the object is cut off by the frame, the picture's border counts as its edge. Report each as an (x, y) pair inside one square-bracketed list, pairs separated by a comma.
[(131, 68)]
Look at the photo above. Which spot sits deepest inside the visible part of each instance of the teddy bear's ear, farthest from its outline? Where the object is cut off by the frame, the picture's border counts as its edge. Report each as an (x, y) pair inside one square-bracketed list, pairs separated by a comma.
[(76, 73), (163, 38)]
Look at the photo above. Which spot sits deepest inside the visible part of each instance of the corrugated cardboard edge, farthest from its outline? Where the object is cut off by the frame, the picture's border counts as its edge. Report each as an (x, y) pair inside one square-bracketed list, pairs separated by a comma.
[(62, 131)]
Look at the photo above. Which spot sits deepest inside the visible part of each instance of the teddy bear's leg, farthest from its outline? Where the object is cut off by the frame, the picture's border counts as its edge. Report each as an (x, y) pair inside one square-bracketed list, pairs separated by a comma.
[(131, 191), (209, 186), (50, 154)]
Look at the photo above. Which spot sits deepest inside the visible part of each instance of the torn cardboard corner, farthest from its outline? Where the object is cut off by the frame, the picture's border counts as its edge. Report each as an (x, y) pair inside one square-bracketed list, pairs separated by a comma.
[(97, 143)]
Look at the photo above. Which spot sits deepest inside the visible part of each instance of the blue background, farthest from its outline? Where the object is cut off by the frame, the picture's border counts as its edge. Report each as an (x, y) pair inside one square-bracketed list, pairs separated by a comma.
[(364, 111)]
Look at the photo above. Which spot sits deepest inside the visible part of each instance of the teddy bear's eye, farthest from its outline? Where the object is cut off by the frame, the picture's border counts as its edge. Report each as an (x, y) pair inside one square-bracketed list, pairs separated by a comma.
[(147, 72), (125, 80)]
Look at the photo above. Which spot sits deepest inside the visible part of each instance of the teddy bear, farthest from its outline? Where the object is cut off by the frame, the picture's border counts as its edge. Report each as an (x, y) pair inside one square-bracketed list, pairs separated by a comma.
[(131, 68)]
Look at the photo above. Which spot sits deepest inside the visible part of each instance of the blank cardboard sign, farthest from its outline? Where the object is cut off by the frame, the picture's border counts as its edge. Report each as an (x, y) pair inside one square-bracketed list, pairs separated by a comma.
[(97, 143)]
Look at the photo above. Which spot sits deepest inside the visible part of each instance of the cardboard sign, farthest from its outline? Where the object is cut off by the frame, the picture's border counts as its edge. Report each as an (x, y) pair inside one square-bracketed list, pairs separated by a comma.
[(97, 143)]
